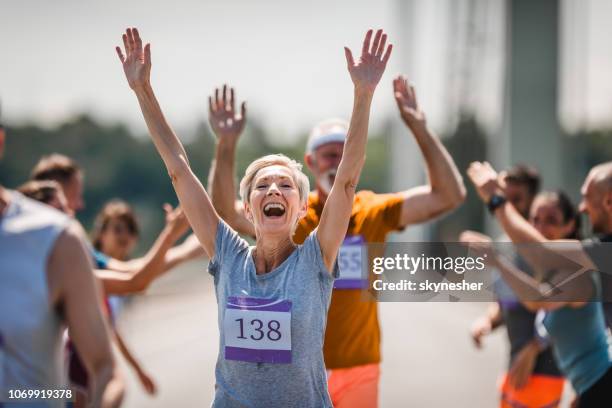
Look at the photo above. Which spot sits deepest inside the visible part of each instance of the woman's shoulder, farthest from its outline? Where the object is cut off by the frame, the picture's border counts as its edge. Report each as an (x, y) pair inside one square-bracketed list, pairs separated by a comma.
[(312, 255), (228, 240), (230, 248)]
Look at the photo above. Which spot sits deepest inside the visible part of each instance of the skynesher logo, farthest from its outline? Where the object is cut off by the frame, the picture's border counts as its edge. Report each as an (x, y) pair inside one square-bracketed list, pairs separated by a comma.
[(413, 264)]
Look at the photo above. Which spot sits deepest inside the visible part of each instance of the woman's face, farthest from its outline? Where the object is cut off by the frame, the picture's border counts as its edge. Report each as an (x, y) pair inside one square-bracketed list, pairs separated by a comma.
[(116, 240), (275, 205), (547, 218)]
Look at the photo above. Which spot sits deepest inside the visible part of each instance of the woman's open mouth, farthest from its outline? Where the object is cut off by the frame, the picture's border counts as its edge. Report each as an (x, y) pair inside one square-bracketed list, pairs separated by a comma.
[(274, 210)]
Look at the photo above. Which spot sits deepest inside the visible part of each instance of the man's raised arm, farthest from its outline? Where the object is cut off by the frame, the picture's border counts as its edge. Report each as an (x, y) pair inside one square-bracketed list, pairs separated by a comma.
[(445, 190), (227, 126)]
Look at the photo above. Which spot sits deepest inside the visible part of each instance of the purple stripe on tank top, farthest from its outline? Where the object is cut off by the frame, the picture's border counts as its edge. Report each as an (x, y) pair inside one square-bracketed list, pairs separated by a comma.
[(258, 356), (247, 303)]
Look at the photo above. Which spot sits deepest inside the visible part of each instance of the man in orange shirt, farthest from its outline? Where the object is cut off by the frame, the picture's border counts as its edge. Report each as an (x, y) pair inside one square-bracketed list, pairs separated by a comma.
[(352, 338)]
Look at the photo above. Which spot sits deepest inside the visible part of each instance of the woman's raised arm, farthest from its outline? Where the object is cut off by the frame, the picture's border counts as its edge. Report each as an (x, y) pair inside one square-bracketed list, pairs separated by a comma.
[(365, 74), (191, 193)]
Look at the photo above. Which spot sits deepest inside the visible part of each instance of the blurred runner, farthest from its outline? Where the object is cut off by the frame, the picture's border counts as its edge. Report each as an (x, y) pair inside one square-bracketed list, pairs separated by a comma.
[(575, 318), (116, 233), (533, 378), (46, 282), (69, 175), (119, 215)]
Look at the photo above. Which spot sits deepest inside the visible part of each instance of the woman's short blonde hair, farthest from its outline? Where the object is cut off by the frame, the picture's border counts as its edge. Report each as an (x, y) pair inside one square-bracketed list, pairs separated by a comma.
[(299, 178)]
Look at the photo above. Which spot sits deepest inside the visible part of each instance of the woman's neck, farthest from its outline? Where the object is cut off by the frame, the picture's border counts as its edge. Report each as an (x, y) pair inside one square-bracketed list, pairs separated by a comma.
[(270, 253)]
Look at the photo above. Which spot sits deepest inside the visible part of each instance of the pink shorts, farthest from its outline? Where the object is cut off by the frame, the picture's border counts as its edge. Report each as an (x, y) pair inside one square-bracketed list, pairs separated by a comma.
[(354, 387)]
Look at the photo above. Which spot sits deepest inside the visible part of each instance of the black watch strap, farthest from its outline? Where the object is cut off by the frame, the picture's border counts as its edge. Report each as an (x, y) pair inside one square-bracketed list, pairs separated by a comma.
[(495, 202)]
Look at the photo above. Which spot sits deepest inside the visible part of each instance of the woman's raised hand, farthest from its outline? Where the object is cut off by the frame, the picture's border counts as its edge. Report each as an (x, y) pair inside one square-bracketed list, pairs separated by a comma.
[(369, 68), (136, 61)]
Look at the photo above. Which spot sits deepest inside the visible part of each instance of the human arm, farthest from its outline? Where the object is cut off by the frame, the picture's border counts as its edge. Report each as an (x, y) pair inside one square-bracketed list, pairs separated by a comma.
[(75, 292), (146, 381), (518, 229), (536, 295), (365, 74), (445, 190), (188, 250), (543, 255), (227, 125), (152, 265), (523, 364), (559, 290), (533, 294), (486, 324), (191, 193)]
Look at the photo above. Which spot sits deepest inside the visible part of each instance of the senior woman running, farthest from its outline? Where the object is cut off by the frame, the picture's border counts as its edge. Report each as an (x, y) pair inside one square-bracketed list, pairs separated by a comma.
[(272, 298)]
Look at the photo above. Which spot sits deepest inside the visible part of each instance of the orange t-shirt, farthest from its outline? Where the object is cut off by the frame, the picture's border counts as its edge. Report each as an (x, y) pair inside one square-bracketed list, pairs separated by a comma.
[(352, 336)]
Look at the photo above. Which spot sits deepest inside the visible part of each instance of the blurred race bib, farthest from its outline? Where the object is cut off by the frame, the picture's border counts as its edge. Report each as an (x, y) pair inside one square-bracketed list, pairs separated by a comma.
[(351, 257), (258, 330)]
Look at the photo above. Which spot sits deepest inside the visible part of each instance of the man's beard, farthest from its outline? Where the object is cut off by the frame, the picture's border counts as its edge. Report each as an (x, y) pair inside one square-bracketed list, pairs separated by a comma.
[(601, 226), (326, 181)]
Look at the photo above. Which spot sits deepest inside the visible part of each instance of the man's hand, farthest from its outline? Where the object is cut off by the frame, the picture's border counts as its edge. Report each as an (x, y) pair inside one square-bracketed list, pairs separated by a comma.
[(480, 245), (405, 97), (225, 122), (147, 382), (480, 328), (367, 71), (485, 180), (136, 61)]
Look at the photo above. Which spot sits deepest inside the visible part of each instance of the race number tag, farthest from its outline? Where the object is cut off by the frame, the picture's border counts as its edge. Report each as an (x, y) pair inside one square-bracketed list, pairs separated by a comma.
[(258, 330), (351, 257)]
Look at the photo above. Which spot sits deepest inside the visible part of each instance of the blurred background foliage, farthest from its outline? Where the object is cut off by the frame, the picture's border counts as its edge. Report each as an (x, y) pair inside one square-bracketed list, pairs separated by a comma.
[(119, 164)]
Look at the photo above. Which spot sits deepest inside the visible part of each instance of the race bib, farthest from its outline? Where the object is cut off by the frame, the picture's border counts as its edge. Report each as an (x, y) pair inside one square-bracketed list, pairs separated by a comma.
[(351, 257), (258, 330)]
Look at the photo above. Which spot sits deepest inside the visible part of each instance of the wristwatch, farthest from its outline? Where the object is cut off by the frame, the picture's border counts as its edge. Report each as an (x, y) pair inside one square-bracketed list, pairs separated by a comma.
[(495, 202)]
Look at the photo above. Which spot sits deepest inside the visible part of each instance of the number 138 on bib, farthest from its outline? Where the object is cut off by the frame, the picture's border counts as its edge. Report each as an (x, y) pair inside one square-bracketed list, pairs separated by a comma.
[(258, 330)]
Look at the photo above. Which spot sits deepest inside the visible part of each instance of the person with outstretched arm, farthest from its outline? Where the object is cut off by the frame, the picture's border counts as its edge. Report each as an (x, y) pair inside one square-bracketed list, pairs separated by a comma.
[(272, 298), (533, 377), (566, 283), (119, 217), (352, 339), (66, 172), (46, 284)]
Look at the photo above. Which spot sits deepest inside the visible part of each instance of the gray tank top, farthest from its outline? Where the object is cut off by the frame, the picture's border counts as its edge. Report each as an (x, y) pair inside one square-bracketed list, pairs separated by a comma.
[(271, 326), (31, 352)]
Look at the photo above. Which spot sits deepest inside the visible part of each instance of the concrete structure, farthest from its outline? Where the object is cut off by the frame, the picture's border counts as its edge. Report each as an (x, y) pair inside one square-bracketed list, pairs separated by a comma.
[(531, 131)]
